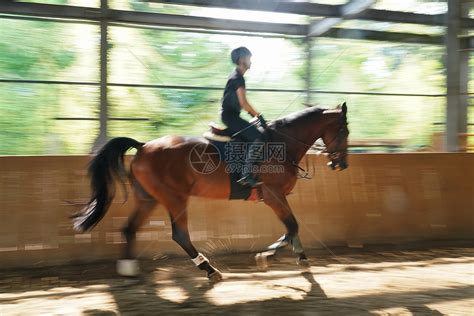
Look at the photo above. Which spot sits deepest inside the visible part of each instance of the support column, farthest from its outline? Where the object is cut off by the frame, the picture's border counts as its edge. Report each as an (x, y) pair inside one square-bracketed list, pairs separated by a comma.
[(465, 72), (103, 108), (457, 78), (463, 97), (308, 80)]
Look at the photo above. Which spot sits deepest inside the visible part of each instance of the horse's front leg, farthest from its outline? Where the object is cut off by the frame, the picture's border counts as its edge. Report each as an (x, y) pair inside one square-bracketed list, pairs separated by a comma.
[(278, 202)]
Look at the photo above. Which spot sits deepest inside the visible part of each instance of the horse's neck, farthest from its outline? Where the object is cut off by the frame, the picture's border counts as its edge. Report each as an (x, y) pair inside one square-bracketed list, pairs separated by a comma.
[(303, 133)]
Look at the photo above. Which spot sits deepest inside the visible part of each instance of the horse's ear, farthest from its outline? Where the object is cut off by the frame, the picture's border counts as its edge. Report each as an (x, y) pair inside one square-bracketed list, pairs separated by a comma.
[(344, 108)]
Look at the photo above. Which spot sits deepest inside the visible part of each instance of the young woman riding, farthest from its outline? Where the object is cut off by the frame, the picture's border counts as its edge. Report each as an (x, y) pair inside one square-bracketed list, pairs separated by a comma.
[(233, 101)]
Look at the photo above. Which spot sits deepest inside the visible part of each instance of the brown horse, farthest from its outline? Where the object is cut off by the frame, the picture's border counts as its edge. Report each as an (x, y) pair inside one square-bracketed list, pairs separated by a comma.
[(162, 172)]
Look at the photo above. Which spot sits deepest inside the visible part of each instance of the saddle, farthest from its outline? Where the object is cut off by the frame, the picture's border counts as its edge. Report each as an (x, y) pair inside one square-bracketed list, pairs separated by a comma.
[(220, 137), (217, 133), (222, 134)]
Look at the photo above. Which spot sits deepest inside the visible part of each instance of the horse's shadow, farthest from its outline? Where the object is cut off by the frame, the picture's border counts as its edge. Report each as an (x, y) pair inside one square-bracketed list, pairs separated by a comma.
[(141, 297), (168, 287), (144, 296)]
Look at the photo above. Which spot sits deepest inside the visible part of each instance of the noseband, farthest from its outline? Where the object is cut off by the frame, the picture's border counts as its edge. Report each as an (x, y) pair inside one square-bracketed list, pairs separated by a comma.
[(335, 155)]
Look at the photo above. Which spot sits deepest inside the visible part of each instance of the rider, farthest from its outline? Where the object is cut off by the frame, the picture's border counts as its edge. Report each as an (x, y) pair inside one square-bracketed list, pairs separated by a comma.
[(234, 99)]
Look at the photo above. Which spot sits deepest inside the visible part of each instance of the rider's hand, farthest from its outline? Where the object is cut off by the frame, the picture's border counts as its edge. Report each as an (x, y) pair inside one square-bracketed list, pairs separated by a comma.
[(263, 123)]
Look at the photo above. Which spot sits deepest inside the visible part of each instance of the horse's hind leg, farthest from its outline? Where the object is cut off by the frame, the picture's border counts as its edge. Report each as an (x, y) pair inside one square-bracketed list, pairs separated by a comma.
[(177, 208), (176, 205), (145, 203)]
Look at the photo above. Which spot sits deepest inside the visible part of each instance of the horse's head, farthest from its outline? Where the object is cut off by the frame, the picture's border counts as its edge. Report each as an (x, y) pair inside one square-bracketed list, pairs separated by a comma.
[(335, 138)]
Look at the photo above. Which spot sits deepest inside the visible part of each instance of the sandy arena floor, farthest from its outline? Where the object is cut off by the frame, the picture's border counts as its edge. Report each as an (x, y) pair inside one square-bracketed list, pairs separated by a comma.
[(434, 281)]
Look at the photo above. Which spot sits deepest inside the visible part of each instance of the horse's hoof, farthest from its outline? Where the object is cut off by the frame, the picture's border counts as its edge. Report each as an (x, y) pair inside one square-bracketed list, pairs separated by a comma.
[(303, 262), (215, 276), (262, 261), (128, 267)]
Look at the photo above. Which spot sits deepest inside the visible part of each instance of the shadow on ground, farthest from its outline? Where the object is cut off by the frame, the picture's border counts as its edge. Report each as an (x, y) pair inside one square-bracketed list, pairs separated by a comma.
[(349, 282)]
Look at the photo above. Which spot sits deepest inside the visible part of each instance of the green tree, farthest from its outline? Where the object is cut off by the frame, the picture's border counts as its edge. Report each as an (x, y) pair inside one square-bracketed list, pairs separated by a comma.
[(29, 50)]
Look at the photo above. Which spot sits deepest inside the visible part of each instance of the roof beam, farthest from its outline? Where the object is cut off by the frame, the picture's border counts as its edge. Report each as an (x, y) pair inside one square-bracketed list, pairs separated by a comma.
[(321, 26), (206, 23), (155, 19), (354, 7), (283, 6), (467, 43), (316, 9), (368, 35), (146, 18), (50, 10), (350, 9)]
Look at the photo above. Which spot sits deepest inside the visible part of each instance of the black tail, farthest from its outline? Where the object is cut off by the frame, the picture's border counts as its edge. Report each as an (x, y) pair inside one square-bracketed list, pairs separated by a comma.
[(106, 165)]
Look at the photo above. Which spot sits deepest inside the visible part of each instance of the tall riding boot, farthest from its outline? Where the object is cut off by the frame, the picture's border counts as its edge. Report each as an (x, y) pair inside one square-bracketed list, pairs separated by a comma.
[(254, 156)]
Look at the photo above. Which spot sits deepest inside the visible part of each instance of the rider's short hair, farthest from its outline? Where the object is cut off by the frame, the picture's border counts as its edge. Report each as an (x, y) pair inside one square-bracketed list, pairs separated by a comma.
[(238, 53)]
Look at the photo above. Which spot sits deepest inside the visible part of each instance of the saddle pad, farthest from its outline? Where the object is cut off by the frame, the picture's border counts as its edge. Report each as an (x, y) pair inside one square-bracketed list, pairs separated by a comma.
[(237, 191)]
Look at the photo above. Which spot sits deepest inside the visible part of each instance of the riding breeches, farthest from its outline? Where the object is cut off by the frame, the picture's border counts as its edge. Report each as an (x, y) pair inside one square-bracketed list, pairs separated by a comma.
[(237, 124)]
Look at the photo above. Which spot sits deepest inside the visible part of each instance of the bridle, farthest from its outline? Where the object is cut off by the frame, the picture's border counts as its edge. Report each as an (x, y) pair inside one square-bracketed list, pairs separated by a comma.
[(336, 154)]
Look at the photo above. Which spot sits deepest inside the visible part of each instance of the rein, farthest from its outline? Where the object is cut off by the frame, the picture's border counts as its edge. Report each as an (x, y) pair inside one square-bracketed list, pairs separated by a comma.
[(302, 173)]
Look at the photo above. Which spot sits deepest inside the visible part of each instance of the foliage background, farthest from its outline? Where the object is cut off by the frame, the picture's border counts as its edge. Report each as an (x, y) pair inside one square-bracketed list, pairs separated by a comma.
[(70, 52)]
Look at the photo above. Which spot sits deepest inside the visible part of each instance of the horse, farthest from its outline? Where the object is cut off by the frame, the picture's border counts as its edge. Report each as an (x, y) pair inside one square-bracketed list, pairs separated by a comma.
[(161, 173)]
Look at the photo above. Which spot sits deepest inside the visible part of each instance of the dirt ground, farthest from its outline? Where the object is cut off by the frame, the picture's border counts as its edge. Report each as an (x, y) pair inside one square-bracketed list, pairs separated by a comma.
[(434, 281)]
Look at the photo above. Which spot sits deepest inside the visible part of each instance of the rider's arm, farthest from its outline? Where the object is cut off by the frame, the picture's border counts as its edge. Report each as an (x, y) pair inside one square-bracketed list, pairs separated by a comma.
[(244, 103)]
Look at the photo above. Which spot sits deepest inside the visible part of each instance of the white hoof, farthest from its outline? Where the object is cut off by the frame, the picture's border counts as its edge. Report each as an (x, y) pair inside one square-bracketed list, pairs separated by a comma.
[(128, 267), (215, 276), (262, 262), (303, 263)]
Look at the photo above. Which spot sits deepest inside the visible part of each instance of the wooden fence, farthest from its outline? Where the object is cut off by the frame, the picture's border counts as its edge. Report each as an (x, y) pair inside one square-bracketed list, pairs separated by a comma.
[(381, 198)]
